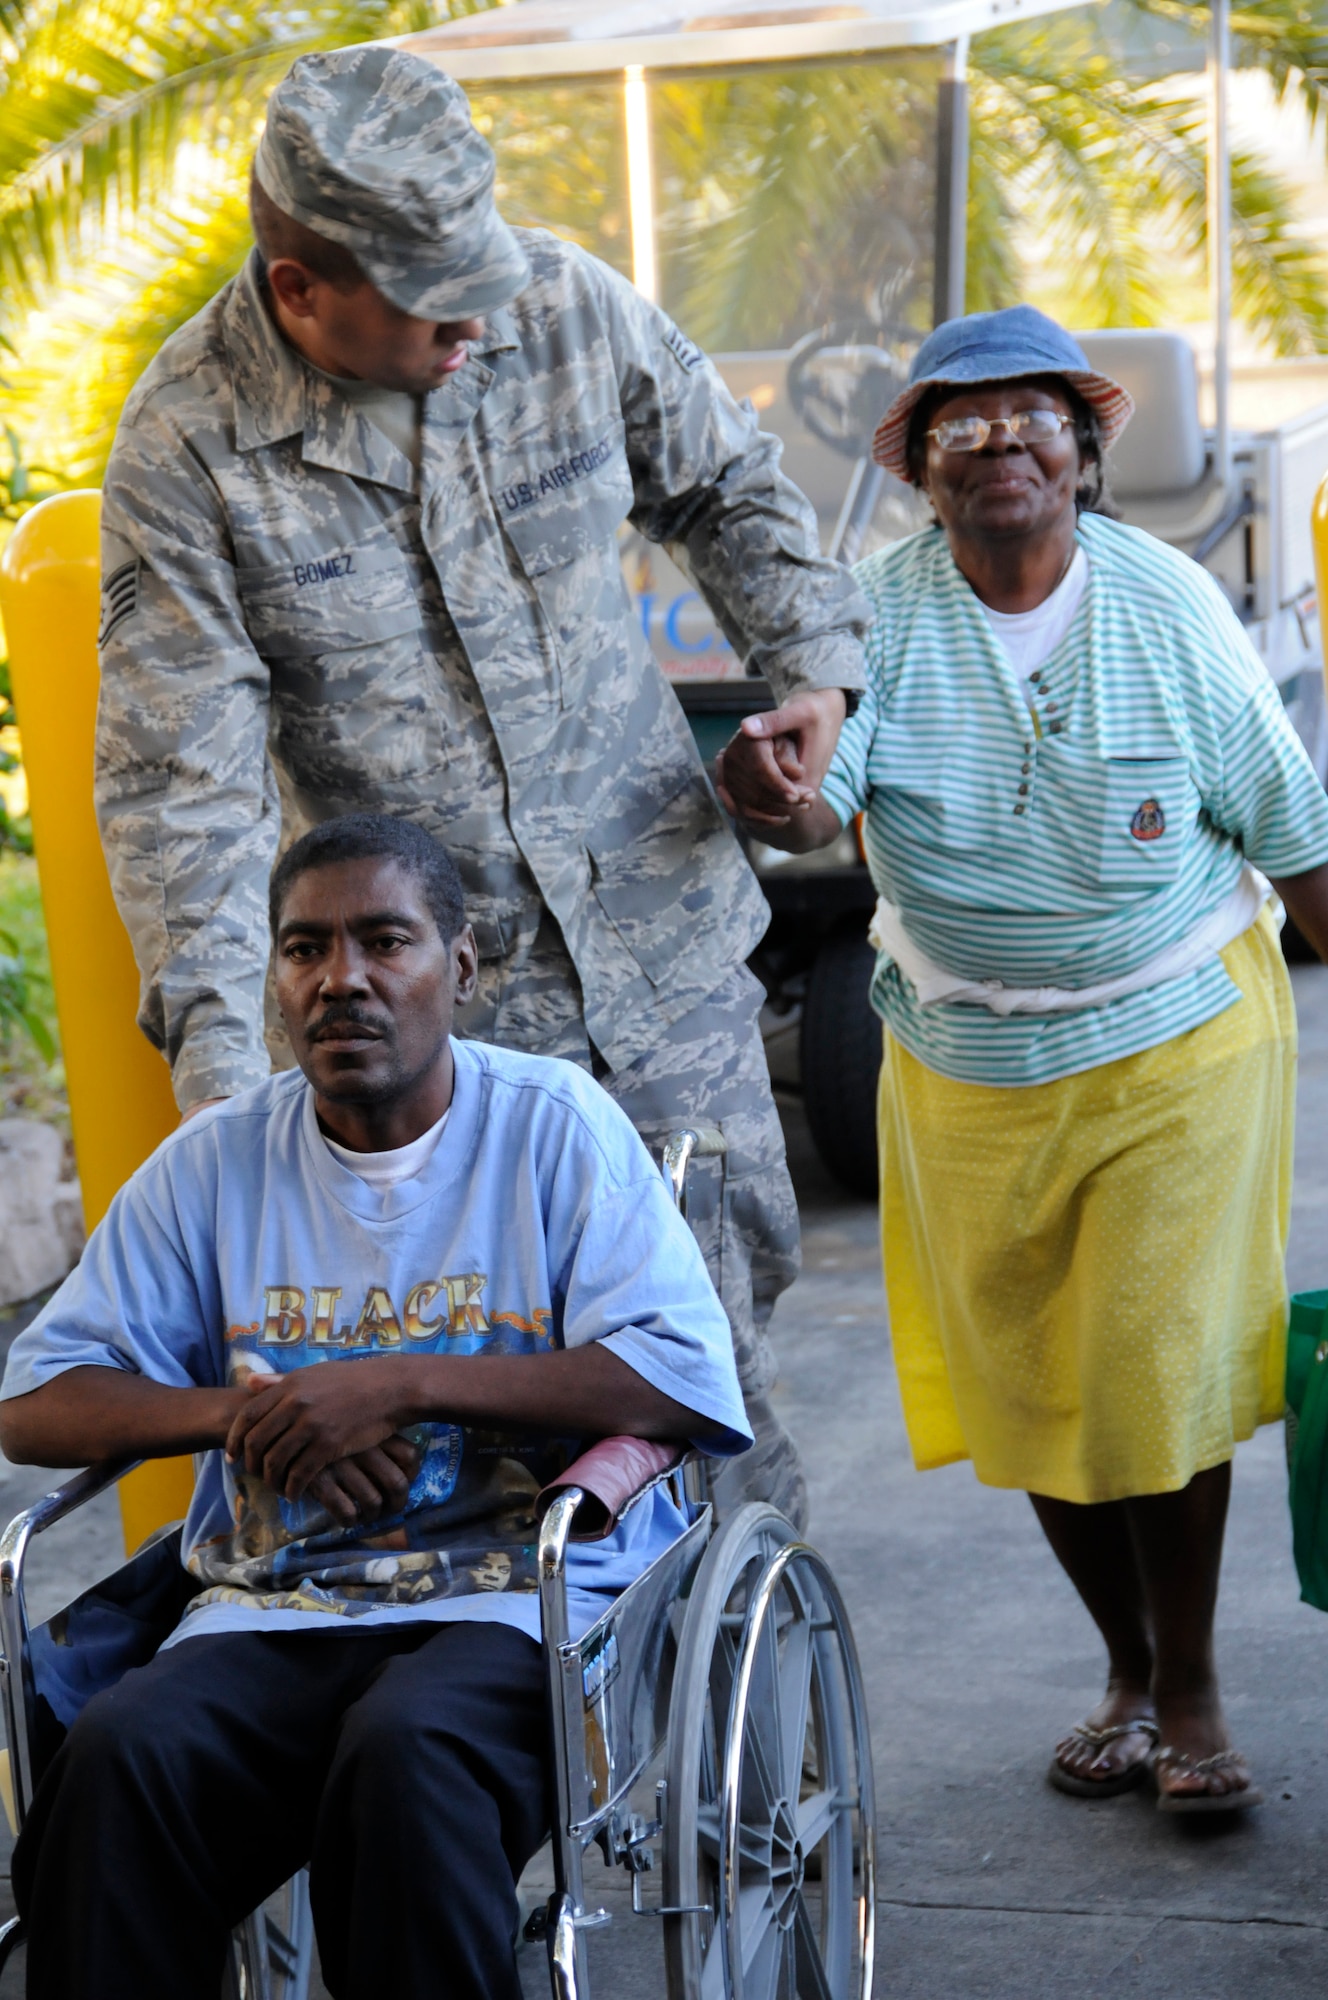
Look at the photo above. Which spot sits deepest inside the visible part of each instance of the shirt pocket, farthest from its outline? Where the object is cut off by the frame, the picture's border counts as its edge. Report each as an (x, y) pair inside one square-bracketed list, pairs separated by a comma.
[(562, 523), (354, 697), (928, 796), (334, 602), (1148, 804)]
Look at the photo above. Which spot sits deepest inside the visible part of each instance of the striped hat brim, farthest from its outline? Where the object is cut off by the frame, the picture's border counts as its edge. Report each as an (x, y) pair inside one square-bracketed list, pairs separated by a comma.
[(1114, 407)]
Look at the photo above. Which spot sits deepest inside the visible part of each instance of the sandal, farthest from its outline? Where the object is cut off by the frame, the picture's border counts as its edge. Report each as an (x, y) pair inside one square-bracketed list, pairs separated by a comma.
[(1115, 1782), (1202, 1767)]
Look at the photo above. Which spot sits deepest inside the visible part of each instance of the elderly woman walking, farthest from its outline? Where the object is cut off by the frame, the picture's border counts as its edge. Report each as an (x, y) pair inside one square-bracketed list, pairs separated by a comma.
[(1078, 783)]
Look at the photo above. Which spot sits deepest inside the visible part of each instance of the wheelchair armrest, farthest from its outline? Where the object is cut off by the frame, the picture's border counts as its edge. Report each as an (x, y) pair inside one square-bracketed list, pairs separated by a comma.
[(611, 1476), (17, 1693), (84, 1486), (53, 1507)]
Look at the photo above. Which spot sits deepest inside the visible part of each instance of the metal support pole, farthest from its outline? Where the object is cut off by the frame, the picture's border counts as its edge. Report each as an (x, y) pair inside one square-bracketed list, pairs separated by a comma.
[(1219, 231), (951, 184), (640, 181), (567, 1914)]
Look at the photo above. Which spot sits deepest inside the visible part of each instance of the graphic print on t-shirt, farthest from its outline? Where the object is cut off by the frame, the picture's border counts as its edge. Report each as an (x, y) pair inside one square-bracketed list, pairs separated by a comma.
[(468, 1524)]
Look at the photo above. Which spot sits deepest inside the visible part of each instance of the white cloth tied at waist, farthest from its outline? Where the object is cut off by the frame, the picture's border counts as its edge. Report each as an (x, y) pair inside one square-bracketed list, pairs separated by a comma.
[(934, 984)]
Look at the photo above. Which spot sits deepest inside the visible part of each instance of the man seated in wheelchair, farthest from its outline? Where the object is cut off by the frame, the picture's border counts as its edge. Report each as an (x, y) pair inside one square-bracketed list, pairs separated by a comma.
[(357, 1682)]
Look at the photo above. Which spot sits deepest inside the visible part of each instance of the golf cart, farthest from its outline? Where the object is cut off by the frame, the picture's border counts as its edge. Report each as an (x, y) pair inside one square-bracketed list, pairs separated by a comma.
[(789, 180)]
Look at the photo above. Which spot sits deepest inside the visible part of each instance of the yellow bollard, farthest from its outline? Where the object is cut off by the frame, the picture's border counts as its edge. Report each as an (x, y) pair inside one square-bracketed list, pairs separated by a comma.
[(119, 1087), (1319, 537)]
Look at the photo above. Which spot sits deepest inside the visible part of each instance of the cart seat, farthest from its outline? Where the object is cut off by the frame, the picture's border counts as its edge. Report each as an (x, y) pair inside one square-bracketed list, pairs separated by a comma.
[(1162, 452)]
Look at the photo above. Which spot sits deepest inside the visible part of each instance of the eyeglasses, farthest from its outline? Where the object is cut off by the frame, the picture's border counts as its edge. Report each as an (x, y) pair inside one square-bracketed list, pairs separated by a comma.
[(1026, 427)]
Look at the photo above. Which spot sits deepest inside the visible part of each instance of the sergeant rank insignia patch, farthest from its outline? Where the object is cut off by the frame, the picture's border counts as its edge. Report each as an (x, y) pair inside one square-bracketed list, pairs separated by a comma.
[(684, 351), (119, 598)]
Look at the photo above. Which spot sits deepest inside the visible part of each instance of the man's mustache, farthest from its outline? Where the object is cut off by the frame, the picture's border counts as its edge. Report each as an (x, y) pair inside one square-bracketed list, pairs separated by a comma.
[(347, 1014)]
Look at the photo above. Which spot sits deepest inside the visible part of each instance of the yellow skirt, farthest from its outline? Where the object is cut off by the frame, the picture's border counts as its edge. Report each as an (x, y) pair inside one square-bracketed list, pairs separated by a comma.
[(1085, 1278)]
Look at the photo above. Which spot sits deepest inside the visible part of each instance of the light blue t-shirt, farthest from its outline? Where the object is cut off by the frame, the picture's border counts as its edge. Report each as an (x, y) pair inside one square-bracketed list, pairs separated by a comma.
[(1073, 843), (243, 1246)]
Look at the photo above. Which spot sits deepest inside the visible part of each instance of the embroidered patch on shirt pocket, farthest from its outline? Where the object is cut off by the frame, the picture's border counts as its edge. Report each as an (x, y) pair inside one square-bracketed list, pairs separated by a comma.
[(1148, 806)]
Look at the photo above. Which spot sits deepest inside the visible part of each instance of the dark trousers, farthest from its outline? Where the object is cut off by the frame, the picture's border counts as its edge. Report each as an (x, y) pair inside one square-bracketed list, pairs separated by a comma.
[(407, 1767)]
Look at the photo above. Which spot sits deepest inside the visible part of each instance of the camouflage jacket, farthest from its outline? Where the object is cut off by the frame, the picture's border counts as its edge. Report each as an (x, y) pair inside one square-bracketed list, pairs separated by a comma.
[(294, 626)]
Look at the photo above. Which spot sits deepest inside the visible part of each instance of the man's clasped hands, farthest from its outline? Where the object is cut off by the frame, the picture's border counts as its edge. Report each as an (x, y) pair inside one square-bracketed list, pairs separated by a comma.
[(331, 1433)]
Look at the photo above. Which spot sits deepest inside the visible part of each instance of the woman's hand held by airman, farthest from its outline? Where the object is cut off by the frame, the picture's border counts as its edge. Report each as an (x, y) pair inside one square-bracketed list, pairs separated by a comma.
[(770, 773)]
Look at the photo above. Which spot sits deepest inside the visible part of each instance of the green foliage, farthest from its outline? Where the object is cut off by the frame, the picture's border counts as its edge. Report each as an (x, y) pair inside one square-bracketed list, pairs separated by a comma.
[(100, 97), (771, 219), (15, 834), (126, 132), (16, 1006), (561, 160), (1115, 173), (22, 485), (31, 1072), (786, 197), (1286, 38)]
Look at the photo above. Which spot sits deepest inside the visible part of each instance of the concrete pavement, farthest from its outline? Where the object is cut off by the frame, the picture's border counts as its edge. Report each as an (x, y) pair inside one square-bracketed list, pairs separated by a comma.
[(977, 1656)]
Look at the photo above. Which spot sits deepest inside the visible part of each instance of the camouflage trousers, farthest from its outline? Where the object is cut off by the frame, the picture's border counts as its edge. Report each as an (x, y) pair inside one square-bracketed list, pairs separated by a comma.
[(709, 1066)]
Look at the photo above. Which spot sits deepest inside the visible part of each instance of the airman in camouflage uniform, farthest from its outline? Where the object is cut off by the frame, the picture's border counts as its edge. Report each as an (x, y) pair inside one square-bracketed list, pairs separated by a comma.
[(300, 621)]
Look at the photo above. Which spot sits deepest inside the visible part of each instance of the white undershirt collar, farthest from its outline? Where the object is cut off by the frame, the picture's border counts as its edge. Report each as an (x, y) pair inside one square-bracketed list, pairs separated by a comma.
[(1029, 638), (401, 1163)]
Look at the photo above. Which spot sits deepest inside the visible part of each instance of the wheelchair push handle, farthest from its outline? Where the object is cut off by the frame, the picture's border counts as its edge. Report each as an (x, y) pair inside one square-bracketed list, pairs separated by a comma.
[(692, 1142)]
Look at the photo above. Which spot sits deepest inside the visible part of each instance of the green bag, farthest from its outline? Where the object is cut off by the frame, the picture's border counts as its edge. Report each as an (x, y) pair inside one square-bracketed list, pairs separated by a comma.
[(1307, 1442)]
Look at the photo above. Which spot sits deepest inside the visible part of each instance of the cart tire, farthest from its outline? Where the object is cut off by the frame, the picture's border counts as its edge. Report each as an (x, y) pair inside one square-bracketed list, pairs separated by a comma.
[(769, 1761), (841, 1060)]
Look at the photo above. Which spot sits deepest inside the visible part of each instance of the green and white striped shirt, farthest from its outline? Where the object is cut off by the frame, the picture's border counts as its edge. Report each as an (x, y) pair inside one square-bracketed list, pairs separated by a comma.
[(1070, 845)]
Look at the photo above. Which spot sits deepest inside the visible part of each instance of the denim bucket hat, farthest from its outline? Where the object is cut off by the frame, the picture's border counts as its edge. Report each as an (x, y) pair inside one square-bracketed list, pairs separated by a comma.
[(997, 347)]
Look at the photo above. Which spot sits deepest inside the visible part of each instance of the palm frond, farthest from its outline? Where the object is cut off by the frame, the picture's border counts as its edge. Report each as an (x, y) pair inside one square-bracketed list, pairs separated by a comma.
[(99, 97), (72, 384), (126, 131), (792, 198), (1285, 38), (81, 161), (1115, 175)]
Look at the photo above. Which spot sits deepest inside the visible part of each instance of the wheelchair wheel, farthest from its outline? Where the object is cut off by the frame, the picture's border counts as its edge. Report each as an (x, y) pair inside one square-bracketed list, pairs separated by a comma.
[(769, 1836), (273, 1949)]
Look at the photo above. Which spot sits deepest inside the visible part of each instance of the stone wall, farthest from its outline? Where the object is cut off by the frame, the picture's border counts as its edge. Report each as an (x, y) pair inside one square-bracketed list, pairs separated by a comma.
[(41, 1216)]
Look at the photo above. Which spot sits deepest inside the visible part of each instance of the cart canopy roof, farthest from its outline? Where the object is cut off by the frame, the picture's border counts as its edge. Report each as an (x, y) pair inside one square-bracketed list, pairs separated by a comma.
[(553, 38)]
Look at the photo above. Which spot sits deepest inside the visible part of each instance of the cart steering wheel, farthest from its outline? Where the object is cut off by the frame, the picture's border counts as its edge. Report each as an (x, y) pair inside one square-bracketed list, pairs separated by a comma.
[(842, 376)]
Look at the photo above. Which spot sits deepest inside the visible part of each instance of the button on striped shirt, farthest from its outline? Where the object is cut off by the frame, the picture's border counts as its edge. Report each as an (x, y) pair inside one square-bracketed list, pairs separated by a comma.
[(1072, 844)]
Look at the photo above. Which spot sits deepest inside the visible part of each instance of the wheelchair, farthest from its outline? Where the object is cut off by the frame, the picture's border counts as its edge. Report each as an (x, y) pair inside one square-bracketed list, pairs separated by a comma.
[(709, 1730)]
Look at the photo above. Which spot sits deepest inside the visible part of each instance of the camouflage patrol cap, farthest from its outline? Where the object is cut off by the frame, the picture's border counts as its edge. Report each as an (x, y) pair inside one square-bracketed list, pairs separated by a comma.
[(374, 149)]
